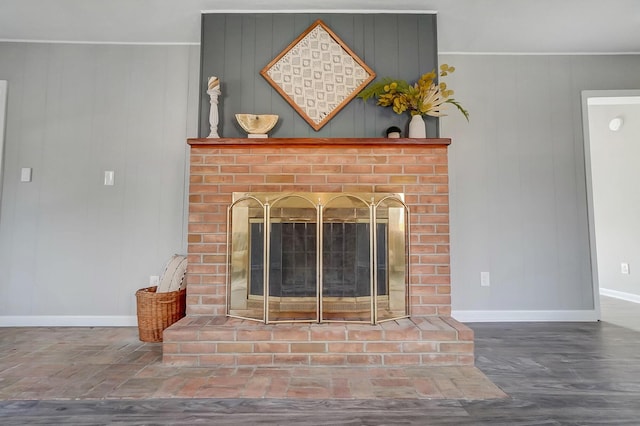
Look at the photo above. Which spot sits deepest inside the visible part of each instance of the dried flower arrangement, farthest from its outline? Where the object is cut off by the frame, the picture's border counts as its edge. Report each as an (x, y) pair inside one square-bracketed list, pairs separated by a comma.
[(426, 97)]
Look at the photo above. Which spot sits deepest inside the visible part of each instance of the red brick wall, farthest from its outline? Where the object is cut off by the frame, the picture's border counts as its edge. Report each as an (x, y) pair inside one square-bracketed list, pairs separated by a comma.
[(417, 168)]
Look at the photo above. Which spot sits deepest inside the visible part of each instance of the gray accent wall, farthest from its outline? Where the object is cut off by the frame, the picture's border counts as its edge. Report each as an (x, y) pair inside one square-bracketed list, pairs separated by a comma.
[(517, 181), (70, 246), (235, 47)]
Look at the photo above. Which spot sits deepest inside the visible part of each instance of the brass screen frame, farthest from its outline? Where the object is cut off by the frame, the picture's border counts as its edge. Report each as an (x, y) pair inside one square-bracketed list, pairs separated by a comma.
[(239, 297)]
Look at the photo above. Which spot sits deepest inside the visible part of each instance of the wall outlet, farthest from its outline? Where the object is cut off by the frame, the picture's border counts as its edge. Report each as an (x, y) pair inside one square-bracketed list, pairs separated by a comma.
[(624, 268), (154, 280), (485, 279)]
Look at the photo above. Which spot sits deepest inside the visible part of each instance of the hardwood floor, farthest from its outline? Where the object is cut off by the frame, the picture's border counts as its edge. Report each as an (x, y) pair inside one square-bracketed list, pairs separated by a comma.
[(554, 373)]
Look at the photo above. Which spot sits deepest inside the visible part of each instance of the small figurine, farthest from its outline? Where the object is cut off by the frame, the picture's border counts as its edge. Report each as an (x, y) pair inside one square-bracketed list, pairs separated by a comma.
[(213, 90), (393, 132)]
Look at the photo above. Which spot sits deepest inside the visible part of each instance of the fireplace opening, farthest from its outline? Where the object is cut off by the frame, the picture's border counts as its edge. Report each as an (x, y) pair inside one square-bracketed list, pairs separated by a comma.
[(318, 257)]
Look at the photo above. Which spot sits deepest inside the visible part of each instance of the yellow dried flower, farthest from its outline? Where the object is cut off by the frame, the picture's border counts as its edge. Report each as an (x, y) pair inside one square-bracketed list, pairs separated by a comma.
[(425, 97)]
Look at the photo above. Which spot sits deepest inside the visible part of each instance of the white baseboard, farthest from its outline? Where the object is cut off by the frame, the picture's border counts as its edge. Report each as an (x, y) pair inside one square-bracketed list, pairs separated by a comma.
[(629, 297), (525, 316), (67, 321)]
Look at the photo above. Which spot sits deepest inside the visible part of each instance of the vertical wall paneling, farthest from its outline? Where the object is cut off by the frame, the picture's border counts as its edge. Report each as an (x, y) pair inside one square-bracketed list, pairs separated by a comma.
[(232, 65), (109, 153), (24, 145), (70, 246), (517, 173), (263, 94), (283, 33), (393, 45), (358, 106), (345, 126), (387, 60), (247, 61), (65, 191), (370, 111)]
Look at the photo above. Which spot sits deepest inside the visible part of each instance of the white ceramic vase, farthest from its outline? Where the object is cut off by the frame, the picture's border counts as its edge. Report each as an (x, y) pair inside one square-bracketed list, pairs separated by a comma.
[(417, 128)]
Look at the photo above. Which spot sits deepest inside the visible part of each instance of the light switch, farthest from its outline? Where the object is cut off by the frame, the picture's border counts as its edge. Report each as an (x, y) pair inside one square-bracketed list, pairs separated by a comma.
[(624, 268), (25, 174), (485, 279), (109, 177)]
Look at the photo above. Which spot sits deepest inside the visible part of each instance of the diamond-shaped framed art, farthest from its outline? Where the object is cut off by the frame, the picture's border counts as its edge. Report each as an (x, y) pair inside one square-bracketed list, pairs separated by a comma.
[(317, 74)]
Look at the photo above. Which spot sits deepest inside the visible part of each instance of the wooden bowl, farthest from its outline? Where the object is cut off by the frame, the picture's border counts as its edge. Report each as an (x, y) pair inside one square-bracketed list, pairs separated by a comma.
[(257, 123)]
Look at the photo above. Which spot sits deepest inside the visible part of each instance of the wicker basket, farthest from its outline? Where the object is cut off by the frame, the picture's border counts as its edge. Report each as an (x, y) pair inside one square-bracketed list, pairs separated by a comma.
[(157, 311)]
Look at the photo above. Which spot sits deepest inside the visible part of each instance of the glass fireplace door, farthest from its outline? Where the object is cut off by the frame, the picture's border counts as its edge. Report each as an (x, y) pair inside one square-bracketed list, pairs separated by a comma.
[(318, 257), (293, 259), (392, 272), (347, 260), (246, 259)]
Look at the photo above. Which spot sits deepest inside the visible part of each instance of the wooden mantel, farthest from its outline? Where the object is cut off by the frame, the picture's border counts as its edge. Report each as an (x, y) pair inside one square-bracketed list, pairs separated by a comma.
[(316, 142)]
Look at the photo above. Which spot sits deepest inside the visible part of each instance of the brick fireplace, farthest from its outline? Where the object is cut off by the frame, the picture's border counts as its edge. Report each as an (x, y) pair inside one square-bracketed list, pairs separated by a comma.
[(417, 168)]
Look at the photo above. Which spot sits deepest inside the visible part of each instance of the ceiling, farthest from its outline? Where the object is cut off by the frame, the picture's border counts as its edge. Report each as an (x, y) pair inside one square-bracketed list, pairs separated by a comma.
[(468, 26)]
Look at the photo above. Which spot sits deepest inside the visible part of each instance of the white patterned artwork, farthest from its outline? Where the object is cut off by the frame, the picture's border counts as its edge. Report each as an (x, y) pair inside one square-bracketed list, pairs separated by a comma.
[(318, 74)]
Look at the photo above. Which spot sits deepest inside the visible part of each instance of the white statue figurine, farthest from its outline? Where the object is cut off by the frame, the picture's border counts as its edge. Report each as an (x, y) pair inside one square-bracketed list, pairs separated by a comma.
[(213, 90)]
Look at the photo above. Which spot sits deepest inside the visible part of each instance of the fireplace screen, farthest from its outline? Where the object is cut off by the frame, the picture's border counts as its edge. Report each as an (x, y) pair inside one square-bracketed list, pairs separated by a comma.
[(318, 257)]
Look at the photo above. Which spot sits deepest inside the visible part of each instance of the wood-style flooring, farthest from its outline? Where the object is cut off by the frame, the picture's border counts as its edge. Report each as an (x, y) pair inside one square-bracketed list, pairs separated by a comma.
[(554, 374)]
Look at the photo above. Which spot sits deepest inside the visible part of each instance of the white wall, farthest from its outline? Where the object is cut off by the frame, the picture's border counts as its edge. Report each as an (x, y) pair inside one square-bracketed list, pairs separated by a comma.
[(73, 251), (518, 191), (616, 199)]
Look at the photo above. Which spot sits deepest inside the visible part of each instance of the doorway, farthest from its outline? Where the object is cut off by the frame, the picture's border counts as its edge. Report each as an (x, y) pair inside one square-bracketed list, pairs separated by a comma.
[(3, 115), (611, 121)]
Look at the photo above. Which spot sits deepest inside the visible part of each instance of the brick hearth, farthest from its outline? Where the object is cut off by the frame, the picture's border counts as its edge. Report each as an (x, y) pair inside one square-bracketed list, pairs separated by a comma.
[(206, 341), (416, 167)]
